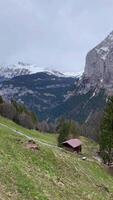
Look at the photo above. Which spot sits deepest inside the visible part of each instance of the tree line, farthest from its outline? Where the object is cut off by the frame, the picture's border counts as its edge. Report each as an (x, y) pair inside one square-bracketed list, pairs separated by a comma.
[(18, 113), (21, 115)]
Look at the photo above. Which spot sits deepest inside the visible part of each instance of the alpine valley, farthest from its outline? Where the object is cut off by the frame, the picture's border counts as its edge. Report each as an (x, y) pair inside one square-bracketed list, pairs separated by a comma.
[(51, 94)]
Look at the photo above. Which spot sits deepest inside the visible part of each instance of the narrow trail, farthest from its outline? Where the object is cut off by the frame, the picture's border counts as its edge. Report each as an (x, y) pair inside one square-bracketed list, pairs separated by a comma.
[(29, 137)]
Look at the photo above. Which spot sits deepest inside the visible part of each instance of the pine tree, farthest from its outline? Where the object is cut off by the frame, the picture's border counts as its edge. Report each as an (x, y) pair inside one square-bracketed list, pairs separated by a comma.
[(106, 138), (67, 130), (63, 131)]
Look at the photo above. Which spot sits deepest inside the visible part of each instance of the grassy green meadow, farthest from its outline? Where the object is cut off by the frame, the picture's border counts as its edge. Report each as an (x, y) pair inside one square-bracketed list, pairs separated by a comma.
[(49, 173)]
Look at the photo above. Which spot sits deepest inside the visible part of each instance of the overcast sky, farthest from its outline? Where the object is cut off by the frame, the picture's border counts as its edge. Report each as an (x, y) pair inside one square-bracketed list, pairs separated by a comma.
[(53, 33)]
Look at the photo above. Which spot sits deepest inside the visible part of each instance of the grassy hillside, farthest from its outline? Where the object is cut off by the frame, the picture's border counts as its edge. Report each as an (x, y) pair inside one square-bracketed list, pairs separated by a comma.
[(49, 173)]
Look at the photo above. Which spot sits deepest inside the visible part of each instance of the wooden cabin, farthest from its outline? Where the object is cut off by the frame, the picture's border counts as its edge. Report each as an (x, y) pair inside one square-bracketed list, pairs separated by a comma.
[(74, 145)]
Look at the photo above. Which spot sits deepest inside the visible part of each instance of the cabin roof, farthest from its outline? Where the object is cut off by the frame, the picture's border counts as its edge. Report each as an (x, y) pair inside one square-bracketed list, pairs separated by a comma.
[(73, 142)]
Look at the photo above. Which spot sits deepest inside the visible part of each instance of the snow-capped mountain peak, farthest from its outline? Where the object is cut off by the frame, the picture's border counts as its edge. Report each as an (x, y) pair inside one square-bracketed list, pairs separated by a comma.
[(8, 72), (21, 68)]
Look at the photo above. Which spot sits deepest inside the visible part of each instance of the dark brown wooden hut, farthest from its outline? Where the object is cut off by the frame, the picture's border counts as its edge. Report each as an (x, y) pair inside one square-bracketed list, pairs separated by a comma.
[(74, 145)]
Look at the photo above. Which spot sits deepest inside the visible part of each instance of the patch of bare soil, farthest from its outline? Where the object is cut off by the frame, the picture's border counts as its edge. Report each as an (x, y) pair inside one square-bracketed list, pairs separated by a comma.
[(31, 144)]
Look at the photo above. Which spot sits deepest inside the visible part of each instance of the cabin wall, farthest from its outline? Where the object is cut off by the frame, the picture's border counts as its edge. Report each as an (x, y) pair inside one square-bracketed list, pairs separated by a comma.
[(78, 149), (69, 148)]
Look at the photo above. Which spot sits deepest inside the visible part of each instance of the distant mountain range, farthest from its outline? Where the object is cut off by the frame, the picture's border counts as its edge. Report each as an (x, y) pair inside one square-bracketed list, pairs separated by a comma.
[(52, 94), (19, 69), (41, 91)]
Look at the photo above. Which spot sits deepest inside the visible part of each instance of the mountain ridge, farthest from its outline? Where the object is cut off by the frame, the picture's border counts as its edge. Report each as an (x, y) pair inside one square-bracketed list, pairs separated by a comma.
[(19, 69)]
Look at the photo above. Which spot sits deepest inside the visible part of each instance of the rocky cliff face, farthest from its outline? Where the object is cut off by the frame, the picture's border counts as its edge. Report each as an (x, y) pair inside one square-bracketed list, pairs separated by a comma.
[(99, 65)]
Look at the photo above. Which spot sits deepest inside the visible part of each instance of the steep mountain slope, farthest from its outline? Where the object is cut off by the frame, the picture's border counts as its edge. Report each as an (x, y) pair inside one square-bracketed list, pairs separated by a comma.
[(49, 172), (41, 92), (80, 107), (95, 86)]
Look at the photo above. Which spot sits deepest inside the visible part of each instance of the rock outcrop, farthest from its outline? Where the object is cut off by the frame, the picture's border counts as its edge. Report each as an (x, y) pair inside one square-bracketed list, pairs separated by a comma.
[(99, 65)]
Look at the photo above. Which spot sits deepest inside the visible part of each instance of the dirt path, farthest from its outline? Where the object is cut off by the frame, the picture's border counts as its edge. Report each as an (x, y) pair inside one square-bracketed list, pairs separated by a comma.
[(98, 158), (29, 137)]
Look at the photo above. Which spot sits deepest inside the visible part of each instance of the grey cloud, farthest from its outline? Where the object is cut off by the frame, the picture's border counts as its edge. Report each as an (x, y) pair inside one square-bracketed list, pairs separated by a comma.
[(52, 33)]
